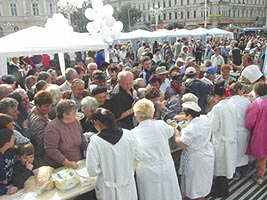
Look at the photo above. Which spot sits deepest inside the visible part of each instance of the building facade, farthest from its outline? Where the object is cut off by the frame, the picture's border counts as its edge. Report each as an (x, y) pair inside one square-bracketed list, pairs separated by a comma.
[(19, 14), (191, 13)]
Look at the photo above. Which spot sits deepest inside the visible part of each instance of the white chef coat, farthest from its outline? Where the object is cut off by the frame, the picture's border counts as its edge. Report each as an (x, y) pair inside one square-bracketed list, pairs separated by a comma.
[(241, 103), (224, 137), (155, 174), (114, 166), (197, 160)]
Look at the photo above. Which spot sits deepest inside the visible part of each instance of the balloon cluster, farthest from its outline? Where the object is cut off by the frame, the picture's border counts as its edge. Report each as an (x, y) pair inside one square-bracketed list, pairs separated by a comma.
[(58, 23), (103, 23)]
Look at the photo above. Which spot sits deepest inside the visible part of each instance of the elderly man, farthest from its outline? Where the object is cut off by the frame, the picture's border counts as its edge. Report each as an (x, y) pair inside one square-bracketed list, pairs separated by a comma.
[(24, 106), (208, 52), (5, 89), (163, 73), (70, 75), (77, 92), (100, 94), (122, 99), (9, 106)]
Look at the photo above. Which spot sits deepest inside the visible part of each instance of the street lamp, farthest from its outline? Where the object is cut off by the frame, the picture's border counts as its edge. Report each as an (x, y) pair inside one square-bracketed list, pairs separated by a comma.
[(156, 11), (69, 6)]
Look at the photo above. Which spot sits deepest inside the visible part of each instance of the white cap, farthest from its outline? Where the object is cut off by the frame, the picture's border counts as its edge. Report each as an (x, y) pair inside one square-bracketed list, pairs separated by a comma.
[(180, 60), (252, 73), (190, 70), (191, 105)]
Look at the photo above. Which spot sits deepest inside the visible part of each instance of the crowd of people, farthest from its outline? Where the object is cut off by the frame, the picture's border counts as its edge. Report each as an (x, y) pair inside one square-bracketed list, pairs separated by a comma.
[(207, 96)]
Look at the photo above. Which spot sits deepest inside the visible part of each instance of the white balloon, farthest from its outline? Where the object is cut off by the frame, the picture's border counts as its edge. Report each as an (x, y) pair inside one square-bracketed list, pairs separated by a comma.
[(90, 14), (90, 28), (110, 21), (108, 10), (118, 26), (97, 4)]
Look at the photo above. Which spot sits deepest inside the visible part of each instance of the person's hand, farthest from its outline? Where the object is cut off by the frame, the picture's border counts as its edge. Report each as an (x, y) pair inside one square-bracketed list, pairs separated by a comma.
[(25, 124), (12, 190), (179, 118), (29, 166), (71, 164)]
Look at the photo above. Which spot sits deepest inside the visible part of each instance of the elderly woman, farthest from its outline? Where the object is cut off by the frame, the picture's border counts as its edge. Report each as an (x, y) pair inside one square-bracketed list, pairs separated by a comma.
[(89, 106), (38, 120), (255, 121), (155, 173), (110, 156), (62, 137), (197, 160), (56, 94)]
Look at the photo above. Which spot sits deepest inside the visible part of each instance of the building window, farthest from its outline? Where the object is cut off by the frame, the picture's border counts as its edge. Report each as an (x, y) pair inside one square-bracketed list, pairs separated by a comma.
[(1, 32), (35, 9), (170, 4), (139, 7), (149, 18), (195, 14), (13, 9), (159, 18), (158, 4), (144, 18), (148, 6), (182, 2), (170, 16), (251, 13), (195, 1), (175, 15), (164, 4), (182, 15), (188, 14), (175, 2), (144, 6), (51, 10), (164, 16)]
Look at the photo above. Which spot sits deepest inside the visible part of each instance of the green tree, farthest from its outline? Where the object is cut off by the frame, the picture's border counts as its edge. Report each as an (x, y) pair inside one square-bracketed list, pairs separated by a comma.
[(127, 14)]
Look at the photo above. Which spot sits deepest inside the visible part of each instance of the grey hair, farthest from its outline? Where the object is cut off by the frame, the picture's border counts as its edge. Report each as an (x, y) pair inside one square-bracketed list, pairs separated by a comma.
[(65, 106), (76, 82), (91, 65), (6, 104), (19, 91), (144, 109), (89, 104), (43, 76), (54, 90), (124, 74), (69, 74), (137, 82)]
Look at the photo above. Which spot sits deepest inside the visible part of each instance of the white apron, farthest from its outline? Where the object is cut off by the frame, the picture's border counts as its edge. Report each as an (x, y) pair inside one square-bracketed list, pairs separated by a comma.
[(224, 137)]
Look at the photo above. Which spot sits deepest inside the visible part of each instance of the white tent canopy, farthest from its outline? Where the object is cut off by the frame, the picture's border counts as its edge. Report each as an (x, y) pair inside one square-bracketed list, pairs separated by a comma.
[(163, 33), (220, 32), (38, 40)]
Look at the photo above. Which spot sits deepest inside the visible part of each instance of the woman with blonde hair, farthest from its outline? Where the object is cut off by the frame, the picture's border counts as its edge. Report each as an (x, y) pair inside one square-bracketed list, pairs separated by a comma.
[(155, 173)]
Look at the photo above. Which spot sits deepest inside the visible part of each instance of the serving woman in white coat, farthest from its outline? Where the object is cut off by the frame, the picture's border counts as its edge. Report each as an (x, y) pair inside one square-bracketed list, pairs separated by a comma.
[(224, 139), (110, 157), (155, 173), (197, 159), (241, 103)]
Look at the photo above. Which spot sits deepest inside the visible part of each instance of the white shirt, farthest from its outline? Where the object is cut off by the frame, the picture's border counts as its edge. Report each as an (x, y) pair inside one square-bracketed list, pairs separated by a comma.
[(198, 156), (224, 139), (155, 173), (241, 104), (114, 166)]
